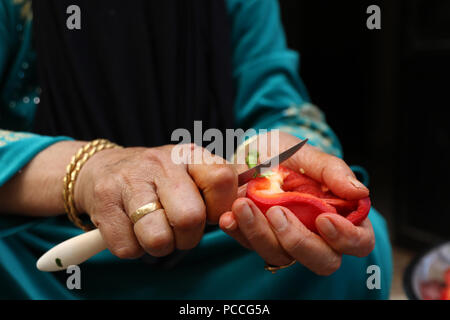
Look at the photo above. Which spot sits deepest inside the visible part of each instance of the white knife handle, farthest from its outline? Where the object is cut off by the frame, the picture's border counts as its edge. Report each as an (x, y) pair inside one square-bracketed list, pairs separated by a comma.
[(72, 252)]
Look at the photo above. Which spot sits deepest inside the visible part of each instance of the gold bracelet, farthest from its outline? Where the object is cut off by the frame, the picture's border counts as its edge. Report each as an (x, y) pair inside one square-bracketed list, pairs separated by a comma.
[(72, 171)]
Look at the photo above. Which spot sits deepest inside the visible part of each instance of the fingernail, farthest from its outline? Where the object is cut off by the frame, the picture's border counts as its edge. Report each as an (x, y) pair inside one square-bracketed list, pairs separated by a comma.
[(230, 224), (356, 183), (327, 228), (277, 219), (247, 213)]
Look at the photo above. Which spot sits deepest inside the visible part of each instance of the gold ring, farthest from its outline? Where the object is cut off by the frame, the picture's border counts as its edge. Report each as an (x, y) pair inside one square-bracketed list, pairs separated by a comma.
[(274, 269), (144, 210)]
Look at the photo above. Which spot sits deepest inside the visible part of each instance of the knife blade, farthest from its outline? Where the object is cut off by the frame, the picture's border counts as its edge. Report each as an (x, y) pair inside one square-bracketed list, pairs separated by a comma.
[(246, 176)]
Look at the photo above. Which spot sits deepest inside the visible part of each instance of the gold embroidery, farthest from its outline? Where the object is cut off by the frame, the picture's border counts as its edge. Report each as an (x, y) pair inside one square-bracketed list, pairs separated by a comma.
[(11, 136), (25, 12)]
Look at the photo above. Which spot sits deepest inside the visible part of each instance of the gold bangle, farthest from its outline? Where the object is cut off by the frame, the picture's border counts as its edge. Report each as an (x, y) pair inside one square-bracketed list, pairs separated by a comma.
[(72, 171)]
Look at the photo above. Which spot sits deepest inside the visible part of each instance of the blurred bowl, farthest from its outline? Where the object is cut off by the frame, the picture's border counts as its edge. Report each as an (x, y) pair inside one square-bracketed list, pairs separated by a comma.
[(424, 277)]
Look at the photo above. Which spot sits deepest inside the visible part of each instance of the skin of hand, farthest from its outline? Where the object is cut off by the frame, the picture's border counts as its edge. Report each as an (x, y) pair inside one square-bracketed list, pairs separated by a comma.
[(116, 182), (279, 237)]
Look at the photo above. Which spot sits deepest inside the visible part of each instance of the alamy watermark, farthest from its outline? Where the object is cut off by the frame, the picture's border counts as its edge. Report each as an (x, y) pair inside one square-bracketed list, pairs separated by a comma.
[(374, 20), (374, 280), (73, 21), (74, 280), (221, 147)]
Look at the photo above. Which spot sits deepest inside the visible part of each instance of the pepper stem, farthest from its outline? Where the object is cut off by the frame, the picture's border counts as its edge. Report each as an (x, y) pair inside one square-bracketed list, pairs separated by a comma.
[(252, 161), (252, 158)]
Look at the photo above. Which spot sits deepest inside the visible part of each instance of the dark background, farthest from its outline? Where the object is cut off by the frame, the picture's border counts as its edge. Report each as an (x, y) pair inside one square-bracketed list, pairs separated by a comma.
[(385, 93)]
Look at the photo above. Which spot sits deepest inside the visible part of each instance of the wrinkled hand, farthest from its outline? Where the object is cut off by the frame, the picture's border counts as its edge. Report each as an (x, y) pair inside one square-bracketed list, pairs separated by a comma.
[(281, 237), (116, 182)]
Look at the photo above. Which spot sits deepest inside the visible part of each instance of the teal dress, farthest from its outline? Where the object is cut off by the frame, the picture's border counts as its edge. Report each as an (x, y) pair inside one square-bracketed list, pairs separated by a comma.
[(270, 95)]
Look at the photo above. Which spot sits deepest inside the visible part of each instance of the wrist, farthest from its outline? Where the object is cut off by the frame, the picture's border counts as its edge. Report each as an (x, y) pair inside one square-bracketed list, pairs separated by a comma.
[(83, 187), (78, 161)]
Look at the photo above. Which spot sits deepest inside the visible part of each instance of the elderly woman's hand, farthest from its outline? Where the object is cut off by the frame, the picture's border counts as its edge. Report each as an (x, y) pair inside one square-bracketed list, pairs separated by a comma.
[(116, 182), (281, 237)]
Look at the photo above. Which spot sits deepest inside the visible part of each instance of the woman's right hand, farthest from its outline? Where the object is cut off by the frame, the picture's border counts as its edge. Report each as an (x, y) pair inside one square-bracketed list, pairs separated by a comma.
[(116, 182)]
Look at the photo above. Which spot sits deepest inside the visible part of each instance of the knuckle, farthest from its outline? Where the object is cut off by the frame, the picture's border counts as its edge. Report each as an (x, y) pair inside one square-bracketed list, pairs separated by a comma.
[(104, 189), (127, 176), (334, 164), (150, 153), (189, 244), (338, 162), (297, 243), (127, 252), (254, 235), (156, 161), (154, 156), (367, 248), (190, 218), (158, 244), (224, 176), (331, 266)]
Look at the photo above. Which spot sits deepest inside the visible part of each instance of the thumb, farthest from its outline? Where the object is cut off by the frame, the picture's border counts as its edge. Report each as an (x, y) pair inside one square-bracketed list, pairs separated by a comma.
[(341, 180), (330, 171), (218, 185)]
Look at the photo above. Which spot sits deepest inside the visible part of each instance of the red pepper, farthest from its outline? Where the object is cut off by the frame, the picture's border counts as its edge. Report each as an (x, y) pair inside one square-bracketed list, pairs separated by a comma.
[(305, 197), (447, 277), (445, 294)]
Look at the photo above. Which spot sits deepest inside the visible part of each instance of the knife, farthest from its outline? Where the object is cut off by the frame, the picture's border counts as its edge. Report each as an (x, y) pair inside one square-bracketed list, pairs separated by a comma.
[(77, 250), (246, 176)]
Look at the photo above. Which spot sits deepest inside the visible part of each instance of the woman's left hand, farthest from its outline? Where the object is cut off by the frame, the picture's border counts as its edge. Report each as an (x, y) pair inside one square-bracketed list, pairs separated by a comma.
[(279, 237)]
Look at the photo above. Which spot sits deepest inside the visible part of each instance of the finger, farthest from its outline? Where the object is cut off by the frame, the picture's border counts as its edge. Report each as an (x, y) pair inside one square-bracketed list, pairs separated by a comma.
[(329, 170), (218, 184), (117, 231), (153, 230), (255, 228), (229, 225), (155, 234), (242, 191), (112, 221), (305, 246), (183, 205), (344, 237), (325, 168)]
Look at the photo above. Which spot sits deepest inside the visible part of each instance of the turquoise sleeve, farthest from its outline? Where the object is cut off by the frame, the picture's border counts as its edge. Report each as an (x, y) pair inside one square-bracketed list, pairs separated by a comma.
[(269, 91), (17, 149)]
